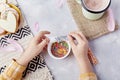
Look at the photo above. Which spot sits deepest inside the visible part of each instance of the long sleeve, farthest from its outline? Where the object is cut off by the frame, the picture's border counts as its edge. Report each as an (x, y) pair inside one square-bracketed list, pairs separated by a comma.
[(13, 71), (88, 76)]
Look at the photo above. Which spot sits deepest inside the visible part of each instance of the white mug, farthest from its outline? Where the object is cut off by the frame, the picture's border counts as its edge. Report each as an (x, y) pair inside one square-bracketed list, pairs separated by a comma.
[(91, 14)]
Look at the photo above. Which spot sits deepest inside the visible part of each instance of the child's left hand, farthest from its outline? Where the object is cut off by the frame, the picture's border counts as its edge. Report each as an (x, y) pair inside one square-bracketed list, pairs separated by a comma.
[(35, 46)]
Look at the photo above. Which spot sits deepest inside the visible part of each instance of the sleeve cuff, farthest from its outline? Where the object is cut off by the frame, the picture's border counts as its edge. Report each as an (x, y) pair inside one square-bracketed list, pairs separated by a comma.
[(14, 70), (17, 65), (88, 76)]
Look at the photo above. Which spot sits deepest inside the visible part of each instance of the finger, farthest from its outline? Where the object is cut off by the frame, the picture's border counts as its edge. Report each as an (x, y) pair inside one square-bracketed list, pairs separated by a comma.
[(82, 35), (77, 37), (42, 38), (45, 48), (72, 43), (41, 34), (44, 43)]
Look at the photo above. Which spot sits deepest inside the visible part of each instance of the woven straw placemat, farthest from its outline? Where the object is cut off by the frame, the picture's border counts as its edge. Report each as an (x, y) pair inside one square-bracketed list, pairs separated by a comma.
[(37, 68), (91, 29)]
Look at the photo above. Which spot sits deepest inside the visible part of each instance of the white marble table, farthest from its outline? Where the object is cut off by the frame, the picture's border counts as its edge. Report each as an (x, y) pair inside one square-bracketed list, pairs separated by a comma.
[(60, 22)]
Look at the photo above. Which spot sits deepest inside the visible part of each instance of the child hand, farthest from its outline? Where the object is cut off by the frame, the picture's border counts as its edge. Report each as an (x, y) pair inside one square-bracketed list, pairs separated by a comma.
[(35, 46), (80, 49)]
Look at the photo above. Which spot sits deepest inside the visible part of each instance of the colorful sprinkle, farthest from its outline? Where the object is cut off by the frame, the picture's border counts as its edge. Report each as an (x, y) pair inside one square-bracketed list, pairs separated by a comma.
[(59, 49)]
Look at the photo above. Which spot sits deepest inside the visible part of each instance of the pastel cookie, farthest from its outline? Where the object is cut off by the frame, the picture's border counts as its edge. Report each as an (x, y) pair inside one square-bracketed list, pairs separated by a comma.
[(10, 24), (10, 17), (5, 12)]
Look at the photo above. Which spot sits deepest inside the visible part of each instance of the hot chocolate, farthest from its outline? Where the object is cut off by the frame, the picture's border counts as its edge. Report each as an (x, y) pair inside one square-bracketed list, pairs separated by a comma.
[(96, 5)]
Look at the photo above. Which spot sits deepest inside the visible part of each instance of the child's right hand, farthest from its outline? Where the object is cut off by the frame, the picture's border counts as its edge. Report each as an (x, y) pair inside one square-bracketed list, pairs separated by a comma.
[(80, 49)]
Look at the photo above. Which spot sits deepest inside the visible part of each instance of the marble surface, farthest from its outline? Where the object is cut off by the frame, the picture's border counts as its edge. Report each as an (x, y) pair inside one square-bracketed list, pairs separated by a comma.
[(59, 21)]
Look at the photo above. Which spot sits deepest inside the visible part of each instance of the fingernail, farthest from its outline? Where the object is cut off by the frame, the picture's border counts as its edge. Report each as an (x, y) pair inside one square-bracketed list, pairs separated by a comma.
[(49, 32)]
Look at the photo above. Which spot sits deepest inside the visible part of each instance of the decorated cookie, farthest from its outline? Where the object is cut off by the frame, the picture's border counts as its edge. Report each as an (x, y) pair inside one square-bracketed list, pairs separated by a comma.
[(10, 17), (10, 24), (5, 12)]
